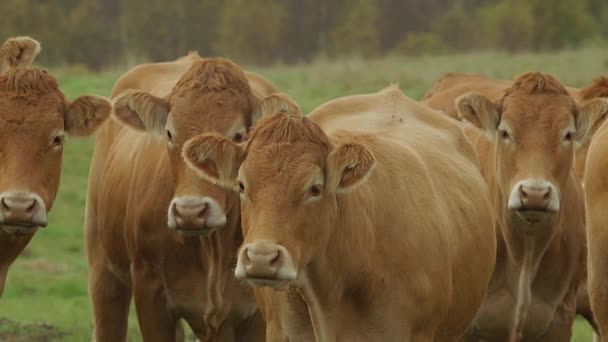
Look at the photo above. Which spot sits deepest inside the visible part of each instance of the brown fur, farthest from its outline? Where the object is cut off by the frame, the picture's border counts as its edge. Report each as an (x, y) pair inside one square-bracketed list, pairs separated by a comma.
[(596, 193), (33, 111), (135, 176), (536, 109), (18, 52), (599, 88), (361, 248)]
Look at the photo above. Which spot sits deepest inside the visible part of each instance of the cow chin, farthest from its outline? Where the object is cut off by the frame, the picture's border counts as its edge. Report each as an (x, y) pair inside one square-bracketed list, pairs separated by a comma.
[(19, 229)]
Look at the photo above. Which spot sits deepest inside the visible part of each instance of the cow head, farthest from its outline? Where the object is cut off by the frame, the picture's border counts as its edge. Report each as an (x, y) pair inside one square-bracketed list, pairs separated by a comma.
[(534, 128), (34, 119), (288, 175), (213, 95)]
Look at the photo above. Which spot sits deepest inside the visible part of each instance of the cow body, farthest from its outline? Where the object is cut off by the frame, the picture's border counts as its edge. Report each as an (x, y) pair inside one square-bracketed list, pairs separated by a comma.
[(141, 242), (526, 146), (382, 252), (35, 116), (596, 193)]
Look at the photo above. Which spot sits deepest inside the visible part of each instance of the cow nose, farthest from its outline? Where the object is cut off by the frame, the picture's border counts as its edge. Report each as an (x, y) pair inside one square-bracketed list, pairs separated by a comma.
[(22, 209), (534, 197), (195, 213), (264, 262)]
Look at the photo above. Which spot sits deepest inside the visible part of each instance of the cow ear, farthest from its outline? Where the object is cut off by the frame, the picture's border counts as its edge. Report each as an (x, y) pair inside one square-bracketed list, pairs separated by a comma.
[(18, 52), (479, 110), (142, 111), (85, 114), (590, 116), (273, 104), (348, 166), (215, 158)]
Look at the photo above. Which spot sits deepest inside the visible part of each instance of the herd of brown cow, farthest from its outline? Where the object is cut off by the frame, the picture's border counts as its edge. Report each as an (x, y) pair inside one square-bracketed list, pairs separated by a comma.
[(475, 214)]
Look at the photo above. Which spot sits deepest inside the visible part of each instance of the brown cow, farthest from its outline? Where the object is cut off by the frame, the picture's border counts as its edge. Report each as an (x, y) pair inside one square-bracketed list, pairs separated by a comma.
[(35, 116), (154, 229), (370, 217), (442, 97), (596, 193), (526, 147)]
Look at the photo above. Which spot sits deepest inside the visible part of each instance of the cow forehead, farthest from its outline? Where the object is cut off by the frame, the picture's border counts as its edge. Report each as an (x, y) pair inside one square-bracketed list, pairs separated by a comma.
[(198, 113), (552, 113), (31, 114), (290, 165)]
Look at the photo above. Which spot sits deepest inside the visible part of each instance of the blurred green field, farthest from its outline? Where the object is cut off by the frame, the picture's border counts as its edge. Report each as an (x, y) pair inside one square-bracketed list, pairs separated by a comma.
[(46, 294)]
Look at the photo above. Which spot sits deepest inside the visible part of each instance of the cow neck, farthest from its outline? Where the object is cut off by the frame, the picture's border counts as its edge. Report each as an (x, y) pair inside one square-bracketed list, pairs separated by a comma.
[(217, 253), (345, 267)]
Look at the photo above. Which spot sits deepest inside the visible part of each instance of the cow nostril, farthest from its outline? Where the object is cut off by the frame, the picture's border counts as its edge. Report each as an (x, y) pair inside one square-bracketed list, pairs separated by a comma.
[(32, 207), (275, 259), (547, 194), (522, 192), (202, 211)]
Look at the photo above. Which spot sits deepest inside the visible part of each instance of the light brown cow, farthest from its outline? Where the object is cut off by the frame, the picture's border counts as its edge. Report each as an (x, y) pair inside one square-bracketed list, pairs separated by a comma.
[(443, 97), (35, 116), (525, 142), (154, 229), (369, 220), (596, 193)]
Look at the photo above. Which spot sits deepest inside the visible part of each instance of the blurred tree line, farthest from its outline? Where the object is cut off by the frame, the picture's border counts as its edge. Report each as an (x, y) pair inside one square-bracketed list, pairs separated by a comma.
[(102, 33)]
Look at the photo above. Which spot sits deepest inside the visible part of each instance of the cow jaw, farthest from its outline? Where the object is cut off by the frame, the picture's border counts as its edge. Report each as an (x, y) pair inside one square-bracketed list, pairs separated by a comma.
[(265, 264)]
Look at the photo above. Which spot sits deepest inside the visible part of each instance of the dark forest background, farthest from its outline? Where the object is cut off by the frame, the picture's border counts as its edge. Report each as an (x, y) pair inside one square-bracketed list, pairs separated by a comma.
[(105, 33)]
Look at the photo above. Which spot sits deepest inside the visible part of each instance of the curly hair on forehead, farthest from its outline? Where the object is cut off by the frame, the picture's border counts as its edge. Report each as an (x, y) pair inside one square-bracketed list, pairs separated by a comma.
[(288, 128), (28, 82), (537, 83), (599, 88), (213, 75)]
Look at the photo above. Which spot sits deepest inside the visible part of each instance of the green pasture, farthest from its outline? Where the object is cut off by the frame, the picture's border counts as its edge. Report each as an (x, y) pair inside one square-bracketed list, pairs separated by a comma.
[(46, 294)]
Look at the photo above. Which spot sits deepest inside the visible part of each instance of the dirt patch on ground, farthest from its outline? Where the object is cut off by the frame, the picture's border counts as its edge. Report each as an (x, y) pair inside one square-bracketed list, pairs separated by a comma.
[(28, 332)]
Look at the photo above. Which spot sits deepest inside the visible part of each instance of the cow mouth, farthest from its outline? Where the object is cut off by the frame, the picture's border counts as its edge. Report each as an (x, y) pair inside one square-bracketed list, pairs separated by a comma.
[(533, 215), (199, 231), (274, 283), (19, 228)]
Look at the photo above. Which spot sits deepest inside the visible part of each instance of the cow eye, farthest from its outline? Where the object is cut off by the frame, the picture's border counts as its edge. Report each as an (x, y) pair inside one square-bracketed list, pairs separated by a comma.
[(58, 141), (314, 190), (241, 187), (504, 134), (238, 138), (568, 136), (169, 135)]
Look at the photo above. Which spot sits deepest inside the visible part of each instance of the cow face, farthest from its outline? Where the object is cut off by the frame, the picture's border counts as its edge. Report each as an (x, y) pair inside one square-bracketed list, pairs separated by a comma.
[(534, 129), (288, 176), (34, 120), (212, 96)]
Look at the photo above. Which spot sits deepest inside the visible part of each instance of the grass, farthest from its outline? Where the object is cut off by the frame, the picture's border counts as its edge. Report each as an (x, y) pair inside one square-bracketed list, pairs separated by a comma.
[(46, 290)]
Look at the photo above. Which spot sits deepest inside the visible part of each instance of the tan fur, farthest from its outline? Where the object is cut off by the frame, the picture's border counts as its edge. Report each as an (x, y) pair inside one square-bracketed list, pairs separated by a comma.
[(33, 114), (135, 173), (406, 255), (539, 268), (18, 52), (596, 193)]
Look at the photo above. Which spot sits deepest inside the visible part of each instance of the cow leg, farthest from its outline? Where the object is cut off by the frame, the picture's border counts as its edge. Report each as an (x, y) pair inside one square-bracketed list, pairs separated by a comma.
[(111, 298), (155, 320)]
